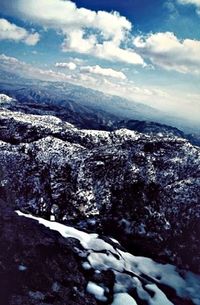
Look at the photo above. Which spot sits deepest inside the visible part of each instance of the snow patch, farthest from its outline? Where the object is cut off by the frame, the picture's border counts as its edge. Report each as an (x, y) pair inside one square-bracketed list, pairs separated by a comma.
[(123, 299), (131, 272), (97, 291), (5, 98)]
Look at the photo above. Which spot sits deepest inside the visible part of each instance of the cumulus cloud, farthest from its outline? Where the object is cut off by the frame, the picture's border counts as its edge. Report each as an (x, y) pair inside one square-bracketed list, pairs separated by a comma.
[(103, 71), (169, 52), (13, 32), (69, 65), (66, 16), (100, 33)]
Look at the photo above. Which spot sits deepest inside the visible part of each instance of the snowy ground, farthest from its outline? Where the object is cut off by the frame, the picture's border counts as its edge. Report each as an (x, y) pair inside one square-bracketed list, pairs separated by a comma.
[(142, 274)]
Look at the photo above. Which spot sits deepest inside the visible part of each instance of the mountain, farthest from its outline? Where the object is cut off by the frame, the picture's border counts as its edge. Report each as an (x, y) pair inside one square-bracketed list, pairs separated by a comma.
[(146, 186), (58, 93), (72, 100), (107, 205), (153, 128), (29, 100), (90, 109)]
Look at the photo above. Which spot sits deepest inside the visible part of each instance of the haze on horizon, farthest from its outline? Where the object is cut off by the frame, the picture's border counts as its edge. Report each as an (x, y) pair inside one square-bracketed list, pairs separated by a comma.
[(149, 53)]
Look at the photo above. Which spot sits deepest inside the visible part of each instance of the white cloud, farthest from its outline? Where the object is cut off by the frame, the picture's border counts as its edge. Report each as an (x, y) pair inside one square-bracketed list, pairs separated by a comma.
[(13, 65), (77, 60), (76, 42), (193, 2), (100, 33), (66, 16), (108, 50), (105, 50), (196, 3), (13, 32), (8, 60), (103, 71), (69, 65), (167, 51)]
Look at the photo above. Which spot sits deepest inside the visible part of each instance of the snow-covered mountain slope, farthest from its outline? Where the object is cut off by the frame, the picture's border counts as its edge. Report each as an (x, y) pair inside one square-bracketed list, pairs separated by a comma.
[(143, 189), (136, 280), (4, 99), (47, 102)]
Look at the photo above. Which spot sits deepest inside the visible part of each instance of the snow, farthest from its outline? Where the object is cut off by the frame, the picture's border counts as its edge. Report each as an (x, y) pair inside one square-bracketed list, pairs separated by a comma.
[(167, 273), (52, 218), (5, 98), (114, 240), (97, 291), (124, 282), (102, 261), (124, 133), (123, 299), (47, 121), (55, 287), (22, 268), (159, 297), (128, 269), (65, 231), (86, 266)]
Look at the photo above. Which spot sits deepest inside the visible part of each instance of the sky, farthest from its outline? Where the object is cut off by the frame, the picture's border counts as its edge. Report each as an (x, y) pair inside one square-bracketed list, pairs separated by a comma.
[(145, 50)]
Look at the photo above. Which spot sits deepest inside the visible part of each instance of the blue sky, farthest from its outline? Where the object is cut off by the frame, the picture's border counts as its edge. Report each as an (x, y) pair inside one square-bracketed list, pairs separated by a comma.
[(148, 51)]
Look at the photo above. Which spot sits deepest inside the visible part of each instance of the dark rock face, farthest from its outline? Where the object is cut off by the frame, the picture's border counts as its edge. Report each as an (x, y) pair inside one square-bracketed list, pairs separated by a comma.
[(38, 266), (142, 188)]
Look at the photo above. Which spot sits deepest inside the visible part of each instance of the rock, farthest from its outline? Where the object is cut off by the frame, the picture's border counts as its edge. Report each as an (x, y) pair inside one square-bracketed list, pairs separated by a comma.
[(52, 265)]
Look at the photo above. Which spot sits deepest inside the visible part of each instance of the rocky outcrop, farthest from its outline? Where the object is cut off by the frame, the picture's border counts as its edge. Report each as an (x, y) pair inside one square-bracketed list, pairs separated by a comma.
[(142, 188), (38, 266), (47, 263)]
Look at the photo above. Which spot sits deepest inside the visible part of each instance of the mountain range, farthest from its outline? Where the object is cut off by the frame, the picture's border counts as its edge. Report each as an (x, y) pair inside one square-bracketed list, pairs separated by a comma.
[(99, 203), (85, 102)]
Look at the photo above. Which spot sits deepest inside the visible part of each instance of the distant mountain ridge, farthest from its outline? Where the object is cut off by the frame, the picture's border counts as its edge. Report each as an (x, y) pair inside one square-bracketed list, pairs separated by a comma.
[(78, 99), (39, 102)]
